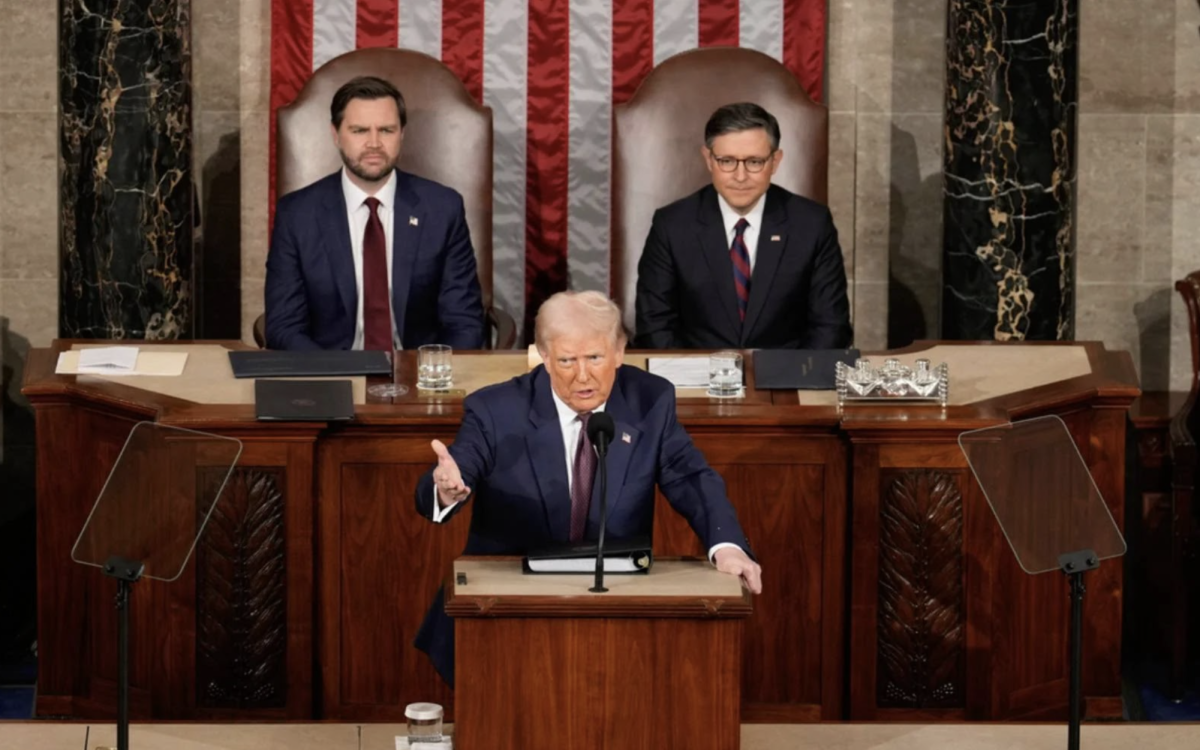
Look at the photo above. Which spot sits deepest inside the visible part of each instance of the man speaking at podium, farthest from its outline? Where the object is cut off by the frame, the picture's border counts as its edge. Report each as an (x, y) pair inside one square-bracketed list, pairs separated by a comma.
[(523, 451)]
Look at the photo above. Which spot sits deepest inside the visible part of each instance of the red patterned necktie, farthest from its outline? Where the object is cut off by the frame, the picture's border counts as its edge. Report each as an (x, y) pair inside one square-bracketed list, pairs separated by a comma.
[(741, 266), (583, 473), (377, 313)]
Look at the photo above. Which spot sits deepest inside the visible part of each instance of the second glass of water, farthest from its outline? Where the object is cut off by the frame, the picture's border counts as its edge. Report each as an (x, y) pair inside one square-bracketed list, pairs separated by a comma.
[(725, 374), (434, 371)]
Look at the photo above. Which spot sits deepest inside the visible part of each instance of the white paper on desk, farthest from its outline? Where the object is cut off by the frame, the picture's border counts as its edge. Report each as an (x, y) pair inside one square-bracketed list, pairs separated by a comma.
[(683, 372), (163, 364), (108, 360)]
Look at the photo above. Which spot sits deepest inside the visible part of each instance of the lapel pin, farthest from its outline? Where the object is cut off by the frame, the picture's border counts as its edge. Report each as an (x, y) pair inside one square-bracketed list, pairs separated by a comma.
[(775, 238), (625, 438), (412, 221)]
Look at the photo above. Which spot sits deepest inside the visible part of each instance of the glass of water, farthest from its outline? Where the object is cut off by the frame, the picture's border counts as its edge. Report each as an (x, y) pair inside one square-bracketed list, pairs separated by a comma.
[(434, 372), (725, 374)]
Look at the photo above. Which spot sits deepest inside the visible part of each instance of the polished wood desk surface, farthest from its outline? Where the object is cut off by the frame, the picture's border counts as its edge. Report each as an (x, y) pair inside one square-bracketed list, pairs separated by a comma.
[(996, 379)]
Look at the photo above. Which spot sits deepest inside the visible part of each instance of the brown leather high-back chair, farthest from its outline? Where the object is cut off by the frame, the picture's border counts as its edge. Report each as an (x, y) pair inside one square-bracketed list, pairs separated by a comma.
[(448, 139), (658, 133)]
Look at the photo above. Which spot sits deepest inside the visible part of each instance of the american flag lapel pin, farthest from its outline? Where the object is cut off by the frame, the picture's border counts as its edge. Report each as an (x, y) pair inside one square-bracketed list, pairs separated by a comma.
[(775, 238), (625, 438), (412, 221)]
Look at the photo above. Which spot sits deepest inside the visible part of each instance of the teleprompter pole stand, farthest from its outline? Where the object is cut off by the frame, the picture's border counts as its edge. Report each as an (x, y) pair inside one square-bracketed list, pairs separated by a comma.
[(1074, 565), (127, 573)]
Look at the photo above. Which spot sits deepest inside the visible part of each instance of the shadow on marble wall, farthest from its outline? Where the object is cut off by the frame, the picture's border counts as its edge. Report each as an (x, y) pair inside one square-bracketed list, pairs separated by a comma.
[(220, 241), (1153, 316), (18, 570), (914, 254)]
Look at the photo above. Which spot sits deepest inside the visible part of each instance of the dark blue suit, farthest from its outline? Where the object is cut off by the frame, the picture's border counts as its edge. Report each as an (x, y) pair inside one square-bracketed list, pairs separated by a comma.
[(311, 294), (686, 297), (511, 454)]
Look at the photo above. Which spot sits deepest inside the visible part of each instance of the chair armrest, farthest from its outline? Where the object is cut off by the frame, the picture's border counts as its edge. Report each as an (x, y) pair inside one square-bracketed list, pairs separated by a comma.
[(502, 329), (260, 331)]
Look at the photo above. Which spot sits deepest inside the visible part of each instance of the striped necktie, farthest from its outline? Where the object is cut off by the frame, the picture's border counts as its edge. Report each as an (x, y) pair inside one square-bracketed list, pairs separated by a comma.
[(741, 266)]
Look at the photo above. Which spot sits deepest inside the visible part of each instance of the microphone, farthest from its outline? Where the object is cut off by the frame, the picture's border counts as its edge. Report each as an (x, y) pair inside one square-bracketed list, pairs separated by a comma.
[(600, 431)]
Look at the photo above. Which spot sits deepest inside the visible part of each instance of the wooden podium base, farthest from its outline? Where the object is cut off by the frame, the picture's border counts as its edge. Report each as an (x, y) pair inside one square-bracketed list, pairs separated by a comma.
[(557, 667)]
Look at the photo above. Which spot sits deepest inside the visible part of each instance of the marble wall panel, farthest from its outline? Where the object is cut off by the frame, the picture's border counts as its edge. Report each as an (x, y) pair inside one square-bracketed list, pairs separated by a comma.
[(841, 183), (28, 195), (1185, 194), (1157, 240), (1009, 262), (254, 55), (870, 315), (1186, 78), (918, 54), (1126, 57), (841, 56), (874, 56), (255, 151), (872, 195), (28, 55), (216, 55), (126, 191), (1112, 164)]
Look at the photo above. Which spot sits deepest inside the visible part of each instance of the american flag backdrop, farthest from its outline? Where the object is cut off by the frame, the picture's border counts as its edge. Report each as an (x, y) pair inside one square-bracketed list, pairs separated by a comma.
[(551, 70)]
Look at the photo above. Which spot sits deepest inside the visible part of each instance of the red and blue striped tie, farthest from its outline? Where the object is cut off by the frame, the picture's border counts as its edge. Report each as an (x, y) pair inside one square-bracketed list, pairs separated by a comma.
[(741, 266)]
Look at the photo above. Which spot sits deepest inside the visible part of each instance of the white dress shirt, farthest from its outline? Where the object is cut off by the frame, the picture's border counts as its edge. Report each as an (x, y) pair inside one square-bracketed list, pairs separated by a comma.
[(572, 425), (358, 213), (754, 219)]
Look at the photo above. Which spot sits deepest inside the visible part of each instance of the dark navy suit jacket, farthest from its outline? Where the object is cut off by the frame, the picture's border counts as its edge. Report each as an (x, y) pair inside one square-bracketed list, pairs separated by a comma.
[(311, 294), (511, 454), (685, 292)]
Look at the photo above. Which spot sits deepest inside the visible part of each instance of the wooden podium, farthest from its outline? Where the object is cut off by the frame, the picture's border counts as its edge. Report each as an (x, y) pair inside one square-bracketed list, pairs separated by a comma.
[(542, 662)]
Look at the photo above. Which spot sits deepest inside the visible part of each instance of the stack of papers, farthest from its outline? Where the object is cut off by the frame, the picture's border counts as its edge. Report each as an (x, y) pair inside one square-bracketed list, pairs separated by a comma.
[(683, 372), (120, 360), (108, 360)]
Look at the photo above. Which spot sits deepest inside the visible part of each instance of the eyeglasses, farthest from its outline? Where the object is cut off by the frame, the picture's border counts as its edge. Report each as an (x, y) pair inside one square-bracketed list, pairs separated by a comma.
[(754, 164)]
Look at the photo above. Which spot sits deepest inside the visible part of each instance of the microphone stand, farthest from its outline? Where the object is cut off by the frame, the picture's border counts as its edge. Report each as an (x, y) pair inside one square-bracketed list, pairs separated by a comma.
[(602, 452)]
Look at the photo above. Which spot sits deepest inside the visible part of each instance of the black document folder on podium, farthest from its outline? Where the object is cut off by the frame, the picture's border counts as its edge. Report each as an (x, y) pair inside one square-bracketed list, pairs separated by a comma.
[(620, 556), (303, 400), (799, 369), (308, 364)]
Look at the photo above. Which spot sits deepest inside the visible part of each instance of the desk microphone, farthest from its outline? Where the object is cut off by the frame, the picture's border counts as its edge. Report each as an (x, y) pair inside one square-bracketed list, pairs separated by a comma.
[(600, 431)]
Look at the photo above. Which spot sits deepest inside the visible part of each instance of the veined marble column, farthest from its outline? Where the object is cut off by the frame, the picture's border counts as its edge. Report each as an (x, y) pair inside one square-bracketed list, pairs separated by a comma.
[(126, 194), (1008, 270)]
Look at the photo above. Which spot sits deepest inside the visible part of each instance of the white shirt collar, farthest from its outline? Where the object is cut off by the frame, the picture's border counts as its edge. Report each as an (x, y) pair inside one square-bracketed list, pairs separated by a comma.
[(355, 196), (730, 217), (567, 415)]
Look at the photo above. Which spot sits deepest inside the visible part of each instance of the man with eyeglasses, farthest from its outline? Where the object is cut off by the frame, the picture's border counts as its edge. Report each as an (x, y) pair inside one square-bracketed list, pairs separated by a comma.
[(371, 257), (742, 263)]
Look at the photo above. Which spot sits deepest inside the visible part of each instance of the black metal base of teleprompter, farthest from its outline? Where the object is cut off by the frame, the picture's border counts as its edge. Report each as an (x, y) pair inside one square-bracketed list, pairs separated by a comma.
[(1074, 565), (127, 573)]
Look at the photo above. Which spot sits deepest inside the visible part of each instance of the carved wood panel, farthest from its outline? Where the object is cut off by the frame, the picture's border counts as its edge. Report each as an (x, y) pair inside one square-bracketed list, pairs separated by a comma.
[(241, 593), (922, 655)]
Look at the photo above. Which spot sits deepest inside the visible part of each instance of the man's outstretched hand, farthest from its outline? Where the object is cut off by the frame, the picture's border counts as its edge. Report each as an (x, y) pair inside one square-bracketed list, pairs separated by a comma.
[(447, 478), (734, 561)]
